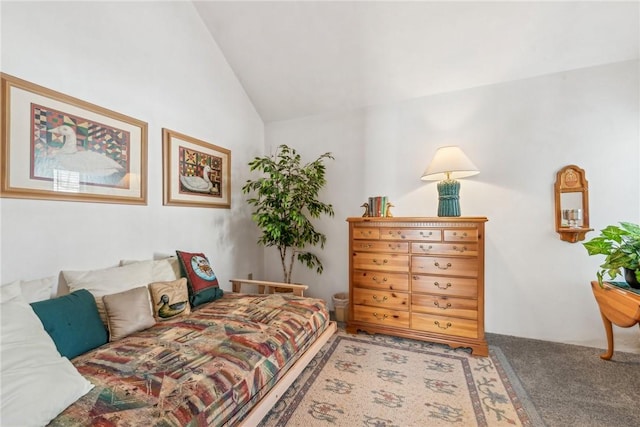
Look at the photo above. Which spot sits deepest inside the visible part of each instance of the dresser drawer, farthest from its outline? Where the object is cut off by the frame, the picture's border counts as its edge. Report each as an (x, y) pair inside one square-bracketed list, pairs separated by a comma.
[(380, 262), (445, 325), (366, 233), (384, 299), (468, 249), (445, 306), (381, 316), (378, 246), (381, 280), (451, 286), (445, 265), (426, 235), (461, 235)]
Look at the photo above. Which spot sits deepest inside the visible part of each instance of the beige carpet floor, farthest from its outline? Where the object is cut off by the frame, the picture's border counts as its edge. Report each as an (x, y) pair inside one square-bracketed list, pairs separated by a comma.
[(383, 381)]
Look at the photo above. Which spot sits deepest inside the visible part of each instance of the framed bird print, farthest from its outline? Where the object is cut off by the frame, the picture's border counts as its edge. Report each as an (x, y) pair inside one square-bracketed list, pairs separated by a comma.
[(196, 173), (57, 147)]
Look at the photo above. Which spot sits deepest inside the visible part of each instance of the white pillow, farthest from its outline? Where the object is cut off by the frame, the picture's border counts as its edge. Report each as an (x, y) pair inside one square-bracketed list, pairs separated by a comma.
[(37, 383), (162, 270), (39, 289), (36, 290), (109, 281), (10, 292)]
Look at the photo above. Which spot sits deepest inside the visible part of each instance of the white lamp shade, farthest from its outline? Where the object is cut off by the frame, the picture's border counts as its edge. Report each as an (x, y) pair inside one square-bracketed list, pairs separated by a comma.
[(449, 160)]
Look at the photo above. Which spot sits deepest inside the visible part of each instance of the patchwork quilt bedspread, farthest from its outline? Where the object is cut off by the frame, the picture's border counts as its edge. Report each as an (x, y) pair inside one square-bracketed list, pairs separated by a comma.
[(206, 369)]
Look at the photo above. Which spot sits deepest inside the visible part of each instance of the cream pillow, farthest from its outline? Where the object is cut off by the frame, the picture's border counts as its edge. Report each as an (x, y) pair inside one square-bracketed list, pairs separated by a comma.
[(162, 270), (38, 289), (37, 383), (170, 299), (109, 281), (128, 312), (10, 292)]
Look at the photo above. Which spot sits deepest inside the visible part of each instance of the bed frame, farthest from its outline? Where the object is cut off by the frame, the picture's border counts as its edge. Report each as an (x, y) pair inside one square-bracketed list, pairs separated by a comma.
[(261, 408)]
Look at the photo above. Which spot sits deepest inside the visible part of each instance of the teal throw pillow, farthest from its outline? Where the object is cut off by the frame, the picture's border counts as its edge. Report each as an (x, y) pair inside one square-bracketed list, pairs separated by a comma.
[(73, 322)]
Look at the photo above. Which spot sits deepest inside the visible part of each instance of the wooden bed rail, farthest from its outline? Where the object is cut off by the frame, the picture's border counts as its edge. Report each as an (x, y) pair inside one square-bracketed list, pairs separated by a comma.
[(270, 287)]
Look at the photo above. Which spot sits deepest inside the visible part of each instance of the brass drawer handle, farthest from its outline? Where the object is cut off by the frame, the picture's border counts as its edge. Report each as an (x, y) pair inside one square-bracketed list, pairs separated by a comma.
[(455, 234), (437, 264), (375, 298), (445, 327), (399, 233), (442, 308), (426, 249), (437, 285), (375, 279), (461, 250), (423, 234), (377, 316), (366, 246), (376, 262), (394, 247)]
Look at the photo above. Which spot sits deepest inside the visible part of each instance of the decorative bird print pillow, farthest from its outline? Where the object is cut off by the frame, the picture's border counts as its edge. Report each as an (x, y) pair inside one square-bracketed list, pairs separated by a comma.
[(202, 281), (170, 299)]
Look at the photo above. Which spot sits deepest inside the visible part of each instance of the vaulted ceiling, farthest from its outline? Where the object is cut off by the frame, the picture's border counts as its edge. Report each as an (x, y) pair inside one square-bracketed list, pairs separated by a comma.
[(299, 58)]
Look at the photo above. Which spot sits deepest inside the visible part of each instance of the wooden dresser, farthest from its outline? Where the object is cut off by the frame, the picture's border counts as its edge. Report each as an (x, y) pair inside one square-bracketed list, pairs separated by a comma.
[(420, 278)]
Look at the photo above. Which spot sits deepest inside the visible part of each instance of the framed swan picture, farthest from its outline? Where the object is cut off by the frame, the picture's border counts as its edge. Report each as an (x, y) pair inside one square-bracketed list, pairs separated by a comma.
[(57, 147), (196, 173)]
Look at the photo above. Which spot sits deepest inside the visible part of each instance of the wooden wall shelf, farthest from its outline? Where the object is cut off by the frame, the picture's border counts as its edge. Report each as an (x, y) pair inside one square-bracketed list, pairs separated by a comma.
[(573, 235), (572, 204)]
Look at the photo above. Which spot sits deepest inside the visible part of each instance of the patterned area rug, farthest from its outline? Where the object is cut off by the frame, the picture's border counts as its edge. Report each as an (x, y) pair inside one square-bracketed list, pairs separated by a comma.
[(383, 381)]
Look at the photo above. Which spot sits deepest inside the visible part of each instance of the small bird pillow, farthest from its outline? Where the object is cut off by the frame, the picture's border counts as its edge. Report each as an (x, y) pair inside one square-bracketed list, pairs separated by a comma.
[(170, 299)]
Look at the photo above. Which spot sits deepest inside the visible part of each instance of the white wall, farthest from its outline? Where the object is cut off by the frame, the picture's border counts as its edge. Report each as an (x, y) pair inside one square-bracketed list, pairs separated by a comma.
[(519, 134), (155, 62)]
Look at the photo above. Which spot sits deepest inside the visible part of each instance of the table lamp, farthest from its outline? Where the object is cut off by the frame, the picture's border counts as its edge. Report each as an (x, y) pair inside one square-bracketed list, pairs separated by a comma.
[(448, 164)]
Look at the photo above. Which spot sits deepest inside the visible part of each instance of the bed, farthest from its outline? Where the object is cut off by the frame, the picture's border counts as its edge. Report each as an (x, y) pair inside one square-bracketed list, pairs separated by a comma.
[(97, 349), (227, 363)]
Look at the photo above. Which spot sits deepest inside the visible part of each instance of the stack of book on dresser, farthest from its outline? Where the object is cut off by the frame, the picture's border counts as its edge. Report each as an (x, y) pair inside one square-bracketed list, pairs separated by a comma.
[(377, 206)]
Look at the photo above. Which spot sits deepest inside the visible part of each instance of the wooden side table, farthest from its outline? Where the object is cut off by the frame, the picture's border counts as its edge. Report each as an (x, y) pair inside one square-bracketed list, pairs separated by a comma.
[(617, 305)]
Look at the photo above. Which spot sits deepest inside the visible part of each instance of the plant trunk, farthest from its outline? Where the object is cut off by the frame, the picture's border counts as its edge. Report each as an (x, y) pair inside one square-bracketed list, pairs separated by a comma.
[(293, 253), (286, 272), (283, 259)]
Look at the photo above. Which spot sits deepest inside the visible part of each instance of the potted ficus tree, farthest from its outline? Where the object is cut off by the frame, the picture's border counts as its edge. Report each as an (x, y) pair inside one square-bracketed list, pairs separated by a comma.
[(621, 247), (285, 199)]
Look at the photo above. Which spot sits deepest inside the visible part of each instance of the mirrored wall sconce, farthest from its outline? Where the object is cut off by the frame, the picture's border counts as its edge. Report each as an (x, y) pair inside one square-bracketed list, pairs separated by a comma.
[(448, 164), (572, 204)]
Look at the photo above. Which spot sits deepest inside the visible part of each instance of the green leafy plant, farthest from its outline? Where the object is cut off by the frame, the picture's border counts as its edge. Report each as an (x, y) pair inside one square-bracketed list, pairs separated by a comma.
[(621, 248), (286, 197)]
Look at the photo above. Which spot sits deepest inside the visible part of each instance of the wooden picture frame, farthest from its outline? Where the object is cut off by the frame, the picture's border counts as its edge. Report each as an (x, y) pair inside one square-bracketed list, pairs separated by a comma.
[(196, 173), (57, 147)]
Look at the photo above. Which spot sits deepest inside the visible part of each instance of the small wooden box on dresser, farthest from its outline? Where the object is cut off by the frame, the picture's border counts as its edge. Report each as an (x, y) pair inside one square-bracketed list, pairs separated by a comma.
[(420, 278)]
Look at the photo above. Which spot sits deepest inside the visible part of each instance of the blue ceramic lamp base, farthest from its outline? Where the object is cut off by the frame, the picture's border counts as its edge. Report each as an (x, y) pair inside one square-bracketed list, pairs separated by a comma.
[(449, 199)]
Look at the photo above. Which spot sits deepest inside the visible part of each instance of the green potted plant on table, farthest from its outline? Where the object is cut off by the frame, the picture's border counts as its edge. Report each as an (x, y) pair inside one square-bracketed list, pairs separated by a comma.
[(621, 247), (286, 197)]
